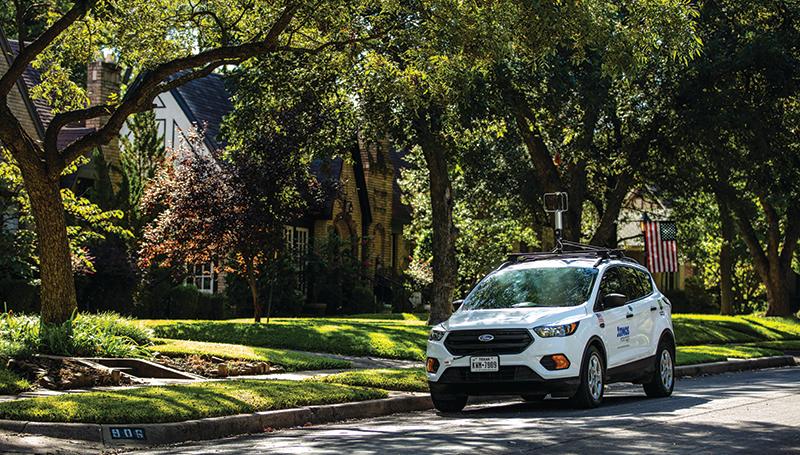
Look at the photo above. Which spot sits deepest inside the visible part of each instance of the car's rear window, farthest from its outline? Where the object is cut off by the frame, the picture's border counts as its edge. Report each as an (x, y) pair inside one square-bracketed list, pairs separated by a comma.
[(532, 287)]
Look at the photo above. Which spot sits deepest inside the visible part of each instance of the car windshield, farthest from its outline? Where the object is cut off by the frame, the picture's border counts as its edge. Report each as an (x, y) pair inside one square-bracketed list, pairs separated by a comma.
[(532, 287)]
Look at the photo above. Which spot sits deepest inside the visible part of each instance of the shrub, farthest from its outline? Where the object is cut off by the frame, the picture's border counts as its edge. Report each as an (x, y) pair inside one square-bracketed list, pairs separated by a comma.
[(90, 335)]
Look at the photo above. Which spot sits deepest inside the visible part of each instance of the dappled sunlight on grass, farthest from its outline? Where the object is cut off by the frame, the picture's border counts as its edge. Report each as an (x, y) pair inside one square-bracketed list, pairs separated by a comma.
[(402, 379), (391, 339), (11, 383), (182, 402), (406, 339)]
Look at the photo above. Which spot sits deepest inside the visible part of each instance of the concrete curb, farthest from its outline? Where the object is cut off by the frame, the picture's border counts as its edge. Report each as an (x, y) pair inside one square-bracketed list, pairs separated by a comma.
[(220, 427)]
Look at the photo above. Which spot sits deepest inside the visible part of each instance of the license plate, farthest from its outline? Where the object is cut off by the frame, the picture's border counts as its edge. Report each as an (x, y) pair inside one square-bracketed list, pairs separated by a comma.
[(484, 364)]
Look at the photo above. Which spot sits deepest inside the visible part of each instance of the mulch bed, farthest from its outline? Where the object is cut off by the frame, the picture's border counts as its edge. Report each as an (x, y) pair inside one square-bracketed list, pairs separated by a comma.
[(215, 367), (63, 374)]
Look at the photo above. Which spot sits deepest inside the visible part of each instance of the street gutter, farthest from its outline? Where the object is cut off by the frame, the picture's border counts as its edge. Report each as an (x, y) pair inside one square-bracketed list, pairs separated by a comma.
[(116, 435)]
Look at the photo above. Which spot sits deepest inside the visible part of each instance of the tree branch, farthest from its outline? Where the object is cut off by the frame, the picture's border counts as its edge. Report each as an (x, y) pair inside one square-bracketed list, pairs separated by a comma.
[(149, 84), (531, 137), (65, 118), (773, 228), (28, 53)]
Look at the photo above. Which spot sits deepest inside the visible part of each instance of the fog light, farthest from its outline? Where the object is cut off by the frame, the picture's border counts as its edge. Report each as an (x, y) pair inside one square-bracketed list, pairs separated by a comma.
[(555, 362), (432, 365)]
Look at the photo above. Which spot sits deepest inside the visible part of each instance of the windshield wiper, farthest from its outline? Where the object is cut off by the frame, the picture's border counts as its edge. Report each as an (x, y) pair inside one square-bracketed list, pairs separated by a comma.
[(526, 305)]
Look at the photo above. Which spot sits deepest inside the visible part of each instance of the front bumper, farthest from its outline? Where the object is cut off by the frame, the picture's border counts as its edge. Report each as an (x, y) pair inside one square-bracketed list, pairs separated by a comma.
[(509, 380), (521, 373)]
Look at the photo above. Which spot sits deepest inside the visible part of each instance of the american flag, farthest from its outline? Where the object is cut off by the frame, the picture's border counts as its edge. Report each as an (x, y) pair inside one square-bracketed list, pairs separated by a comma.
[(661, 246)]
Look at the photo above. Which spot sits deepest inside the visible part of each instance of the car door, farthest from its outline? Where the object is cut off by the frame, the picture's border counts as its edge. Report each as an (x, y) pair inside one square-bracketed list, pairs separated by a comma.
[(616, 321), (642, 323), (650, 311)]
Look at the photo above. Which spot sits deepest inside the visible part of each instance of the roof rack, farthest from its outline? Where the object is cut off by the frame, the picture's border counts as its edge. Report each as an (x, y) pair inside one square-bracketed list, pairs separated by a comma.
[(579, 251)]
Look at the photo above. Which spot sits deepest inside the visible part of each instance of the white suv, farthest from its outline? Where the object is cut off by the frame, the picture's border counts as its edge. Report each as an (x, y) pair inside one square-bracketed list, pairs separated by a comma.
[(563, 324)]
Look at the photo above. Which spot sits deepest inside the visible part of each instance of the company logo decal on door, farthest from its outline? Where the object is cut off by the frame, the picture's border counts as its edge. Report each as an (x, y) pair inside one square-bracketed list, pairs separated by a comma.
[(624, 334)]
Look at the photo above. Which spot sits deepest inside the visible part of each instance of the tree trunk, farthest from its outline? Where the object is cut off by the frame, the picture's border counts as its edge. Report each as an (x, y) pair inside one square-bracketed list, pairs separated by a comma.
[(269, 299), (444, 232), (778, 295), (55, 261), (251, 281), (726, 259)]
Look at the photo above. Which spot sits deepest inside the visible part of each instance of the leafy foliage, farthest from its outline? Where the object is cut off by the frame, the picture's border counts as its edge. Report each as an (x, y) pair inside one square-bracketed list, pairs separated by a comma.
[(90, 335), (207, 208), (177, 403), (90, 223), (142, 153)]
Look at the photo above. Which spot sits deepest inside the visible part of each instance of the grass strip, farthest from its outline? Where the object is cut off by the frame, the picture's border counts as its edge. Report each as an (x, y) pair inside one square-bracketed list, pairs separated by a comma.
[(176, 403), (401, 379), (290, 361), (694, 329), (406, 338), (399, 339), (11, 383)]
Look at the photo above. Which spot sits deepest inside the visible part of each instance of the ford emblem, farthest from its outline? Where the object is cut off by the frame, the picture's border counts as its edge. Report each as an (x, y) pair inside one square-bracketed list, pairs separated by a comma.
[(486, 337)]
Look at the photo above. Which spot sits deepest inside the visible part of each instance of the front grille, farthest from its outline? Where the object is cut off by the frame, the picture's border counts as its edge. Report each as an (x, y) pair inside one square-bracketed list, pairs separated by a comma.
[(506, 341), (462, 375)]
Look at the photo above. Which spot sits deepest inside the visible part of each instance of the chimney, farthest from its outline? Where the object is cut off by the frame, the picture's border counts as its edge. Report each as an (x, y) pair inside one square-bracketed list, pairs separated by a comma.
[(103, 82)]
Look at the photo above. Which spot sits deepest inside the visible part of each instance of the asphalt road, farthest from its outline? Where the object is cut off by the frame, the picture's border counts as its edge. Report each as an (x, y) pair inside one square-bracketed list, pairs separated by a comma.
[(752, 412), (738, 412)]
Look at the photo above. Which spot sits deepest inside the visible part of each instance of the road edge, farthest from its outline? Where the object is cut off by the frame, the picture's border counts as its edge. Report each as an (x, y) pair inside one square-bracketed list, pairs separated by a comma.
[(266, 421)]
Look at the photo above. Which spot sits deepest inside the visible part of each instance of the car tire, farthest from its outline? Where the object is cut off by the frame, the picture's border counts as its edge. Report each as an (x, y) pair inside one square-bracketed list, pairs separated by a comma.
[(593, 372), (534, 398), (448, 403), (663, 380)]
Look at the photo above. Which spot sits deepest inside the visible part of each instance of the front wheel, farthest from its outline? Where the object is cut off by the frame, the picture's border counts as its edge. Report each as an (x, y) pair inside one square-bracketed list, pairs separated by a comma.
[(448, 403), (663, 380), (590, 392)]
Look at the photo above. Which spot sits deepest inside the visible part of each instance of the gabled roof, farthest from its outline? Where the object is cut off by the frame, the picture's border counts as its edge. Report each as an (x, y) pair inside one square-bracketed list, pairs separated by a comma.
[(205, 102), (32, 77), (39, 109)]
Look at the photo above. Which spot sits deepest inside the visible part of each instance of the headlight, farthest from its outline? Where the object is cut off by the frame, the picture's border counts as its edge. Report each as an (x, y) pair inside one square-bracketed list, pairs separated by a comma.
[(436, 335), (547, 331)]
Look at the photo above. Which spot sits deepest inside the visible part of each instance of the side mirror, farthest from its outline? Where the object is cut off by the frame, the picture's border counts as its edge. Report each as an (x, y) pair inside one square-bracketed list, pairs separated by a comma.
[(457, 305), (613, 301)]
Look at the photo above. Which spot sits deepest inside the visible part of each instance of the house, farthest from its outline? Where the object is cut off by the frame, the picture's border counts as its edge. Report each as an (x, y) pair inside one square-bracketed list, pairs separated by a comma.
[(368, 212), (35, 114), (644, 203)]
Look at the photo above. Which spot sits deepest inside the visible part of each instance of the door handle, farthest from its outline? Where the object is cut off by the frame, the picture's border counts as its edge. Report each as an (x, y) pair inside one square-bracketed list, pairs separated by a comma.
[(652, 308), (629, 315)]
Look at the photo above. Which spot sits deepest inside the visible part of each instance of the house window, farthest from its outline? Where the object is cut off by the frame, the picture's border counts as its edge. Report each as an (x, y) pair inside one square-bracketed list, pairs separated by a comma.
[(288, 237), (301, 243), (202, 276), (297, 241)]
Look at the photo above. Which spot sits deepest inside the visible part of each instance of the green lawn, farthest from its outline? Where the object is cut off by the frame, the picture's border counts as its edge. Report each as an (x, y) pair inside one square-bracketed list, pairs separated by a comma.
[(401, 339), (692, 329), (290, 361), (11, 383), (405, 338), (182, 402), (403, 379)]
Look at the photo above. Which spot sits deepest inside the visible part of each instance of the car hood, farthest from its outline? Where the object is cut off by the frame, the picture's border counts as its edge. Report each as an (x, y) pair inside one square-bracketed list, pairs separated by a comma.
[(511, 318)]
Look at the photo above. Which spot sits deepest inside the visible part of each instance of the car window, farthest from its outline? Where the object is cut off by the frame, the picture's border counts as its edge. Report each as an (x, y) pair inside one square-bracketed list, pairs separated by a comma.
[(613, 282), (647, 284), (632, 283), (533, 287)]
